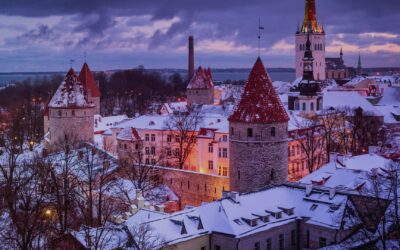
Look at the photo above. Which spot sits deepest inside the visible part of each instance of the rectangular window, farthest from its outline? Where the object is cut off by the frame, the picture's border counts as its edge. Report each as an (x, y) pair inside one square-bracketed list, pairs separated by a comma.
[(273, 132), (281, 242), (125, 146), (225, 153), (73, 112), (147, 150), (153, 150), (177, 138), (210, 165), (169, 138), (224, 138), (232, 131), (169, 152), (153, 137), (293, 237), (59, 113), (136, 146), (308, 239), (153, 161), (147, 161), (225, 171), (269, 244), (177, 152), (216, 247), (220, 152), (249, 132), (257, 246), (322, 242), (210, 148), (146, 137)]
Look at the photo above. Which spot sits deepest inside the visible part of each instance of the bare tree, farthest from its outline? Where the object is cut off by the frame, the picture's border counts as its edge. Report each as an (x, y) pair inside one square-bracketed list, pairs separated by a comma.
[(23, 185), (64, 182), (182, 127), (332, 121), (312, 142)]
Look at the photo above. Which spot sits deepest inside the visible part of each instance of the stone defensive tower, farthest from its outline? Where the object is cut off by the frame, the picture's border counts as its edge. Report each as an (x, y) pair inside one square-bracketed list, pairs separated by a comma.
[(70, 113), (200, 89), (258, 135), (317, 38)]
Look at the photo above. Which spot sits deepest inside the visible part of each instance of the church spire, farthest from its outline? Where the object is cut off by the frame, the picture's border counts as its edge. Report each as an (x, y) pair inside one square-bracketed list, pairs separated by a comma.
[(310, 23), (341, 53)]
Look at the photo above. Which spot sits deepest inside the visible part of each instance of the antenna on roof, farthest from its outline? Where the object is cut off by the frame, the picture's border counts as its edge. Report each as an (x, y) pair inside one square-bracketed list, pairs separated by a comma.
[(259, 34), (71, 61)]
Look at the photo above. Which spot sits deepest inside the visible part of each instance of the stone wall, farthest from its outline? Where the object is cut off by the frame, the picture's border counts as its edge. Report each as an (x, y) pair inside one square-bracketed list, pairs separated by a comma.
[(260, 159), (194, 188), (76, 124), (200, 96)]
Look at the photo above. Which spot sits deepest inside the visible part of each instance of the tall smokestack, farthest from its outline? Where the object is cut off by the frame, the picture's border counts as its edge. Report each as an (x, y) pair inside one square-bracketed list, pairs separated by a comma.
[(191, 58)]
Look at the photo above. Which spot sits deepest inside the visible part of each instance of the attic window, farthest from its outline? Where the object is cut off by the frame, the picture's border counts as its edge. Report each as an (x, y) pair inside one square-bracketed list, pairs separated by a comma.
[(152, 123), (313, 207)]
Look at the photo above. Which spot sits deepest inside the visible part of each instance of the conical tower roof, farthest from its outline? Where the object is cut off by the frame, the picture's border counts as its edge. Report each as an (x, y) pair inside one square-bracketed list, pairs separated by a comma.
[(86, 78), (259, 102)]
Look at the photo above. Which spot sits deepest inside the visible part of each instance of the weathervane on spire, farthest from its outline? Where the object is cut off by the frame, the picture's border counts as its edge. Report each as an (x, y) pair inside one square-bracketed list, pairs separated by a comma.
[(71, 61), (259, 34), (84, 55)]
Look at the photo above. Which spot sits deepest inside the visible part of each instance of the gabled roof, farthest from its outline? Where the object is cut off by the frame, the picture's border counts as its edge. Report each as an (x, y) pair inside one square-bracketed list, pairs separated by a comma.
[(86, 78), (259, 102), (201, 80)]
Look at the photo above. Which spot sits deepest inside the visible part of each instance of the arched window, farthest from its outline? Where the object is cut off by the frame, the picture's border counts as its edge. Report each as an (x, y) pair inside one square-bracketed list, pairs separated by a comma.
[(312, 106), (273, 131), (304, 106), (296, 105)]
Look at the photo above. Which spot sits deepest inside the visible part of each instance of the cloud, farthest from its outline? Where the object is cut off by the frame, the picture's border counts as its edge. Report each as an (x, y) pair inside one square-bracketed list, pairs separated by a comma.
[(379, 35), (146, 29), (335, 46)]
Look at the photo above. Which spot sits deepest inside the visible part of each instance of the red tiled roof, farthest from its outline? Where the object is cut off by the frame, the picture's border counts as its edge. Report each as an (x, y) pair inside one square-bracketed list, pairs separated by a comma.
[(86, 78), (201, 80), (259, 102)]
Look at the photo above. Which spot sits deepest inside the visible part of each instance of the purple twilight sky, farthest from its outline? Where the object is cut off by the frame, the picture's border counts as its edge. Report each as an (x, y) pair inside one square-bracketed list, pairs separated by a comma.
[(44, 35)]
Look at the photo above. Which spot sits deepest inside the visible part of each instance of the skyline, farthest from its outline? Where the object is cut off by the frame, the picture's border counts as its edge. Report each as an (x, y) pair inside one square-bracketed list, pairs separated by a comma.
[(37, 37)]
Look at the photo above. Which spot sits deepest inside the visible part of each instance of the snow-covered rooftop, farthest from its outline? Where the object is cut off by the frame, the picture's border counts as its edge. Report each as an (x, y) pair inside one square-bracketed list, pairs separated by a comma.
[(348, 173), (70, 94), (347, 99)]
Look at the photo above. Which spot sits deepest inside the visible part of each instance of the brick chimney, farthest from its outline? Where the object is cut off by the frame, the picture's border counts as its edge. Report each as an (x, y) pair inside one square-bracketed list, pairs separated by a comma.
[(191, 59)]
